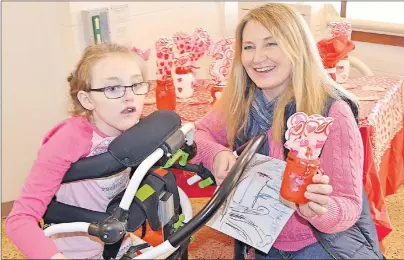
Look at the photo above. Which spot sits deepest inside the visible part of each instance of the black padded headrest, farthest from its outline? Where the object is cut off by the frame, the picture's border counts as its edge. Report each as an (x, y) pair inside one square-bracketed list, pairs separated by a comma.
[(133, 146), (129, 149)]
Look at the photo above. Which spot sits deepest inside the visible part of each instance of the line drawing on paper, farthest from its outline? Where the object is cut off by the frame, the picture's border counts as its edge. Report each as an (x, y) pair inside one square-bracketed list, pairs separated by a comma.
[(253, 212)]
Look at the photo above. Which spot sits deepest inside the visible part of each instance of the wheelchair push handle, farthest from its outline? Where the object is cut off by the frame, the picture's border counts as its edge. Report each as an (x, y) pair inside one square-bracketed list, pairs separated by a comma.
[(184, 135)]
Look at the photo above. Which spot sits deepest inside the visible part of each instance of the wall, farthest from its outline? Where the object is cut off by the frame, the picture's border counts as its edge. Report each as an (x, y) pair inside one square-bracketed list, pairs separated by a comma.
[(33, 85), (147, 21), (40, 50), (383, 60)]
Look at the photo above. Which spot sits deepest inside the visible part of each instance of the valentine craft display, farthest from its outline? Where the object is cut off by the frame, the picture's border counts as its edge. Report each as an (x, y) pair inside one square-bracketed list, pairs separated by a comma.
[(343, 66), (165, 91), (183, 42), (341, 28), (222, 54), (332, 50), (201, 42), (305, 138), (143, 54), (183, 76), (191, 49)]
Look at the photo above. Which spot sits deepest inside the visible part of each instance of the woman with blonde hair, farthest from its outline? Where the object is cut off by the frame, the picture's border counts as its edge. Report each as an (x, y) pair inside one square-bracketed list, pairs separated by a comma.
[(277, 71)]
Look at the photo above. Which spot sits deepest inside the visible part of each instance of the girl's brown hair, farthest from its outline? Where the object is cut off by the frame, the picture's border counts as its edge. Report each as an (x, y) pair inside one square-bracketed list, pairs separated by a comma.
[(80, 79)]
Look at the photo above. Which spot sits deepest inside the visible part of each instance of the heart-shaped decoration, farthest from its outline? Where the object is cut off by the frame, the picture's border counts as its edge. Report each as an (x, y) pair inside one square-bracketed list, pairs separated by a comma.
[(217, 56), (166, 56), (161, 63), (304, 143), (296, 119), (311, 126), (179, 90), (179, 79), (324, 128), (321, 128), (159, 55), (230, 54), (298, 128)]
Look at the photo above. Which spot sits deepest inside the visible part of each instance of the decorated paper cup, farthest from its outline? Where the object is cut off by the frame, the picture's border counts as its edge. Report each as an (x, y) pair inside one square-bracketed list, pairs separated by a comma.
[(297, 176)]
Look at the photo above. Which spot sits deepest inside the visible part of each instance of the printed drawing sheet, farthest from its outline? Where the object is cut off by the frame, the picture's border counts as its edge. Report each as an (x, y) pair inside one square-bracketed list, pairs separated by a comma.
[(253, 213)]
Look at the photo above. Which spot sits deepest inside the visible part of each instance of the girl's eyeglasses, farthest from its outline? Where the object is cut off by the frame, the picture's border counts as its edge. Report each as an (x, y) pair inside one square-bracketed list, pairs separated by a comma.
[(114, 92)]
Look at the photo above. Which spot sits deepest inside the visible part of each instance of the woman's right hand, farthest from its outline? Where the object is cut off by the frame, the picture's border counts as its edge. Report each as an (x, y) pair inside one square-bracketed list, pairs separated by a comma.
[(222, 163)]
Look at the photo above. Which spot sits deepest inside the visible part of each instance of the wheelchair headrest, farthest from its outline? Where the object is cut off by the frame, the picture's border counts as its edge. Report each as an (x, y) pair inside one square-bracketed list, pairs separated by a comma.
[(129, 149)]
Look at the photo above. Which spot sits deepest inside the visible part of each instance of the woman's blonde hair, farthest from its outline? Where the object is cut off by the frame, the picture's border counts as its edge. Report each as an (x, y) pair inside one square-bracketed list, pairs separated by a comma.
[(80, 79), (310, 84)]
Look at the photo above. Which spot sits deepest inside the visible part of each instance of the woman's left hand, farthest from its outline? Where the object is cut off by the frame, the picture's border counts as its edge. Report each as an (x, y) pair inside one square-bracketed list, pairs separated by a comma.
[(318, 196)]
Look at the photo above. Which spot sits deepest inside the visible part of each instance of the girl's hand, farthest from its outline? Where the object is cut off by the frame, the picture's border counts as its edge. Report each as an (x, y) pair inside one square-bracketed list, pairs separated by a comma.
[(318, 196)]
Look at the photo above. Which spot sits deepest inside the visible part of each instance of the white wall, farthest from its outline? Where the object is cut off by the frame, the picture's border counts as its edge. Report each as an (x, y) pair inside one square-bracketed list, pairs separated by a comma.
[(33, 85), (147, 21), (383, 60)]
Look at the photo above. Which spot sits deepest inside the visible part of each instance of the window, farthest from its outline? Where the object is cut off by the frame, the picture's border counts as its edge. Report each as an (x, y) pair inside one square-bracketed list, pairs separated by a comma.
[(386, 12), (374, 22)]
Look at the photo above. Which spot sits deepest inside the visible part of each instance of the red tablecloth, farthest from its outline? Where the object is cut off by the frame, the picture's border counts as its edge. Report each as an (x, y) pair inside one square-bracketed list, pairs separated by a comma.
[(381, 125)]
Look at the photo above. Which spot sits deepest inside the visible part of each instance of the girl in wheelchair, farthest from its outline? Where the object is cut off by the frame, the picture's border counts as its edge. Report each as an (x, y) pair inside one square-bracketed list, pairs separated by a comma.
[(107, 90)]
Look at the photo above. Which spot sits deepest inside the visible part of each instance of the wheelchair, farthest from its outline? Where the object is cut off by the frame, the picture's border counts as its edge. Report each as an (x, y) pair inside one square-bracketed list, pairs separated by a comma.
[(152, 199)]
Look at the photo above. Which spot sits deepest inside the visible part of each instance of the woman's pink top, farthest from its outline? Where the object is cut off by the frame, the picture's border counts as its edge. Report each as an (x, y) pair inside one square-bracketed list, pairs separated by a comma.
[(341, 159)]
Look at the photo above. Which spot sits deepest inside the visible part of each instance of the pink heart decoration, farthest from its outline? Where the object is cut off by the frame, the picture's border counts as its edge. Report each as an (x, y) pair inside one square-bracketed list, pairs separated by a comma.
[(304, 143), (298, 128), (311, 126), (296, 118)]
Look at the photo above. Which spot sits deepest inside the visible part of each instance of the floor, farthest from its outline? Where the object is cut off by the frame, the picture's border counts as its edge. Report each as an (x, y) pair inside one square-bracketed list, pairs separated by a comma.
[(219, 246)]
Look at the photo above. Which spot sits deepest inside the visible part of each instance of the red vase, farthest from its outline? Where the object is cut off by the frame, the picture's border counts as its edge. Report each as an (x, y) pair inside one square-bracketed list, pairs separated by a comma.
[(165, 95)]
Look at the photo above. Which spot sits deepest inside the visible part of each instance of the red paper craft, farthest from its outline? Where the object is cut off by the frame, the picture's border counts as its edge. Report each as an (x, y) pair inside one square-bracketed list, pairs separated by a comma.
[(334, 49)]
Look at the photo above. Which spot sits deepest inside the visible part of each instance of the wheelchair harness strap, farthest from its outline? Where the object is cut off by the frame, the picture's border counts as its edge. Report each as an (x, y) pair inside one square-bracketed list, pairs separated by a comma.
[(145, 207)]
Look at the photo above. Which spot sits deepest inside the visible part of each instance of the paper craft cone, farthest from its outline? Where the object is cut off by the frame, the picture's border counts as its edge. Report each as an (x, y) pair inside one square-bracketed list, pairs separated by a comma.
[(305, 138), (165, 58)]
